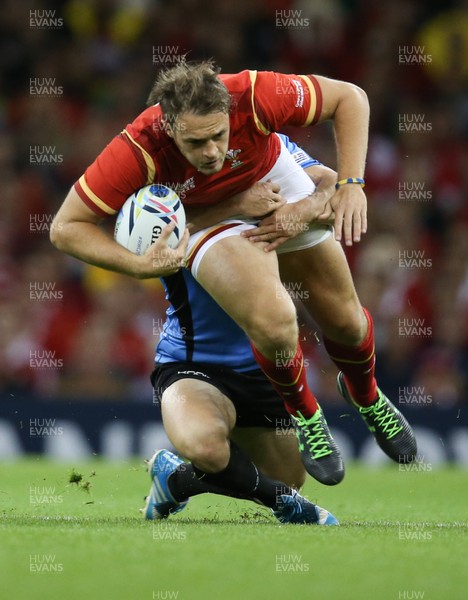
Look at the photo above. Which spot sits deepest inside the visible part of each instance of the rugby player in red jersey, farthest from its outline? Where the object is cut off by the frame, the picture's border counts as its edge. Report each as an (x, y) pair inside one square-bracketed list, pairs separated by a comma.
[(219, 410), (208, 136)]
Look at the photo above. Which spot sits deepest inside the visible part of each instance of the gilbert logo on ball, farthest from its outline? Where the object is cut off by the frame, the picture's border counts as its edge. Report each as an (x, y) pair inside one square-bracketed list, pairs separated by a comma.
[(144, 215)]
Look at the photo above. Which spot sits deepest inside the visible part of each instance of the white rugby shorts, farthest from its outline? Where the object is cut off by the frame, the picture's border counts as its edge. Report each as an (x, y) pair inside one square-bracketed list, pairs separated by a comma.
[(294, 184)]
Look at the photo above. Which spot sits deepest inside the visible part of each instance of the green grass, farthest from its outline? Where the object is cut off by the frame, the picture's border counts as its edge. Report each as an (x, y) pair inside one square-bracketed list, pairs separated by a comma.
[(402, 535)]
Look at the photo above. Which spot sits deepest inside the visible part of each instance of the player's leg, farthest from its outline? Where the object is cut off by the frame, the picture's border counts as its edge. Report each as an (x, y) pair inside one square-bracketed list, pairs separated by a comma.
[(244, 281), (264, 429), (348, 336), (329, 296), (193, 409), (198, 419), (274, 452)]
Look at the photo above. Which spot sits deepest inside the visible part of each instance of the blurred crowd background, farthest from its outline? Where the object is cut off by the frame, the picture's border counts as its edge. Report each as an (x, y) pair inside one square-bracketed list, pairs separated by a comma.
[(74, 72)]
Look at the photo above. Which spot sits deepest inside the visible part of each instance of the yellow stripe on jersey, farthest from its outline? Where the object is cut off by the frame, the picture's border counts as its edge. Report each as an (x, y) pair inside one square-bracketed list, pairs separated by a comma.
[(148, 160), (258, 123), (313, 101), (95, 199)]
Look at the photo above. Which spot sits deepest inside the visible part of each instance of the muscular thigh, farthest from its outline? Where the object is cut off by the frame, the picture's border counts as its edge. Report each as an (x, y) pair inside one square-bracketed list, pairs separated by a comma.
[(243, 279), (275, 454), (194, 410)]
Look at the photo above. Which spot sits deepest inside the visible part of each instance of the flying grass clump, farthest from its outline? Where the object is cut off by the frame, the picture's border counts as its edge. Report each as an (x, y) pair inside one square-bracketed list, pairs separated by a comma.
[(78, 480)]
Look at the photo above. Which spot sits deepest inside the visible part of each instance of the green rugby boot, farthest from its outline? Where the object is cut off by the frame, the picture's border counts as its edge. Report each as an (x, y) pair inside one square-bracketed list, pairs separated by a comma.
[(391, 430), (319, 452)]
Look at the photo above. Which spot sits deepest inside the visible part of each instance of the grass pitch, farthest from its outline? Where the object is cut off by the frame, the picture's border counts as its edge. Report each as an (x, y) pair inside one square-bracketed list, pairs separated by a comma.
[(403, 535)]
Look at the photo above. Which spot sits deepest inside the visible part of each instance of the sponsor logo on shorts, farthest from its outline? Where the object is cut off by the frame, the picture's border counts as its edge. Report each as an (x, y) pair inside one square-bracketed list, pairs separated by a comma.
[(193, 373)]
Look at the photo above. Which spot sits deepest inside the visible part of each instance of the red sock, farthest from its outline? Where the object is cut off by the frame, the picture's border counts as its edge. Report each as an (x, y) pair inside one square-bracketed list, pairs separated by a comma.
[(358, 365), (289, 380)]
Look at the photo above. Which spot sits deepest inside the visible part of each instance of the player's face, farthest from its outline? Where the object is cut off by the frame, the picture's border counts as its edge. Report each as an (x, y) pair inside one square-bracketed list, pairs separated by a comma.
[(203, 140)]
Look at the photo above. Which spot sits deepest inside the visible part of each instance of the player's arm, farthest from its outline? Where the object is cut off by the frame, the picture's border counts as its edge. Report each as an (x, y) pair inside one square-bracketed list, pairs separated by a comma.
[(75, 230), (347, 106), (259, 200), (304, 100), (292, 219), (319, 202)]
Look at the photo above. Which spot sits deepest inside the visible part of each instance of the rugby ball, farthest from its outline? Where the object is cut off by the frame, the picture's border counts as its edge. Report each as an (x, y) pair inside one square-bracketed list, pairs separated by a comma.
[(144, 215)]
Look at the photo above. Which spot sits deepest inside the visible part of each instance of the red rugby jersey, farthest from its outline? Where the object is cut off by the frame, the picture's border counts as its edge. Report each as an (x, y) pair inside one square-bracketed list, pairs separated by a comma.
[(262, 103)]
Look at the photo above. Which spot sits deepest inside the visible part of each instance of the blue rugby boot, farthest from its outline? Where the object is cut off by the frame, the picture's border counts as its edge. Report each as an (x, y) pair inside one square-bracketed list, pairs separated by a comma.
[(295, 508), (160, 502)]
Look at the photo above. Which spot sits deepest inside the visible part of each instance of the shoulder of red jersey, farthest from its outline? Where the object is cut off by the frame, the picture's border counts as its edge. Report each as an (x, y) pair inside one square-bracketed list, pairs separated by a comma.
[(237, 82), (149, 129), (277, 99), (127, 163)]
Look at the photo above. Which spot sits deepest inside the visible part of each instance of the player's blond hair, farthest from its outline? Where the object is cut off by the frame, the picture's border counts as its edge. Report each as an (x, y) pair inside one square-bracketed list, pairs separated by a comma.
[(190, 87)]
